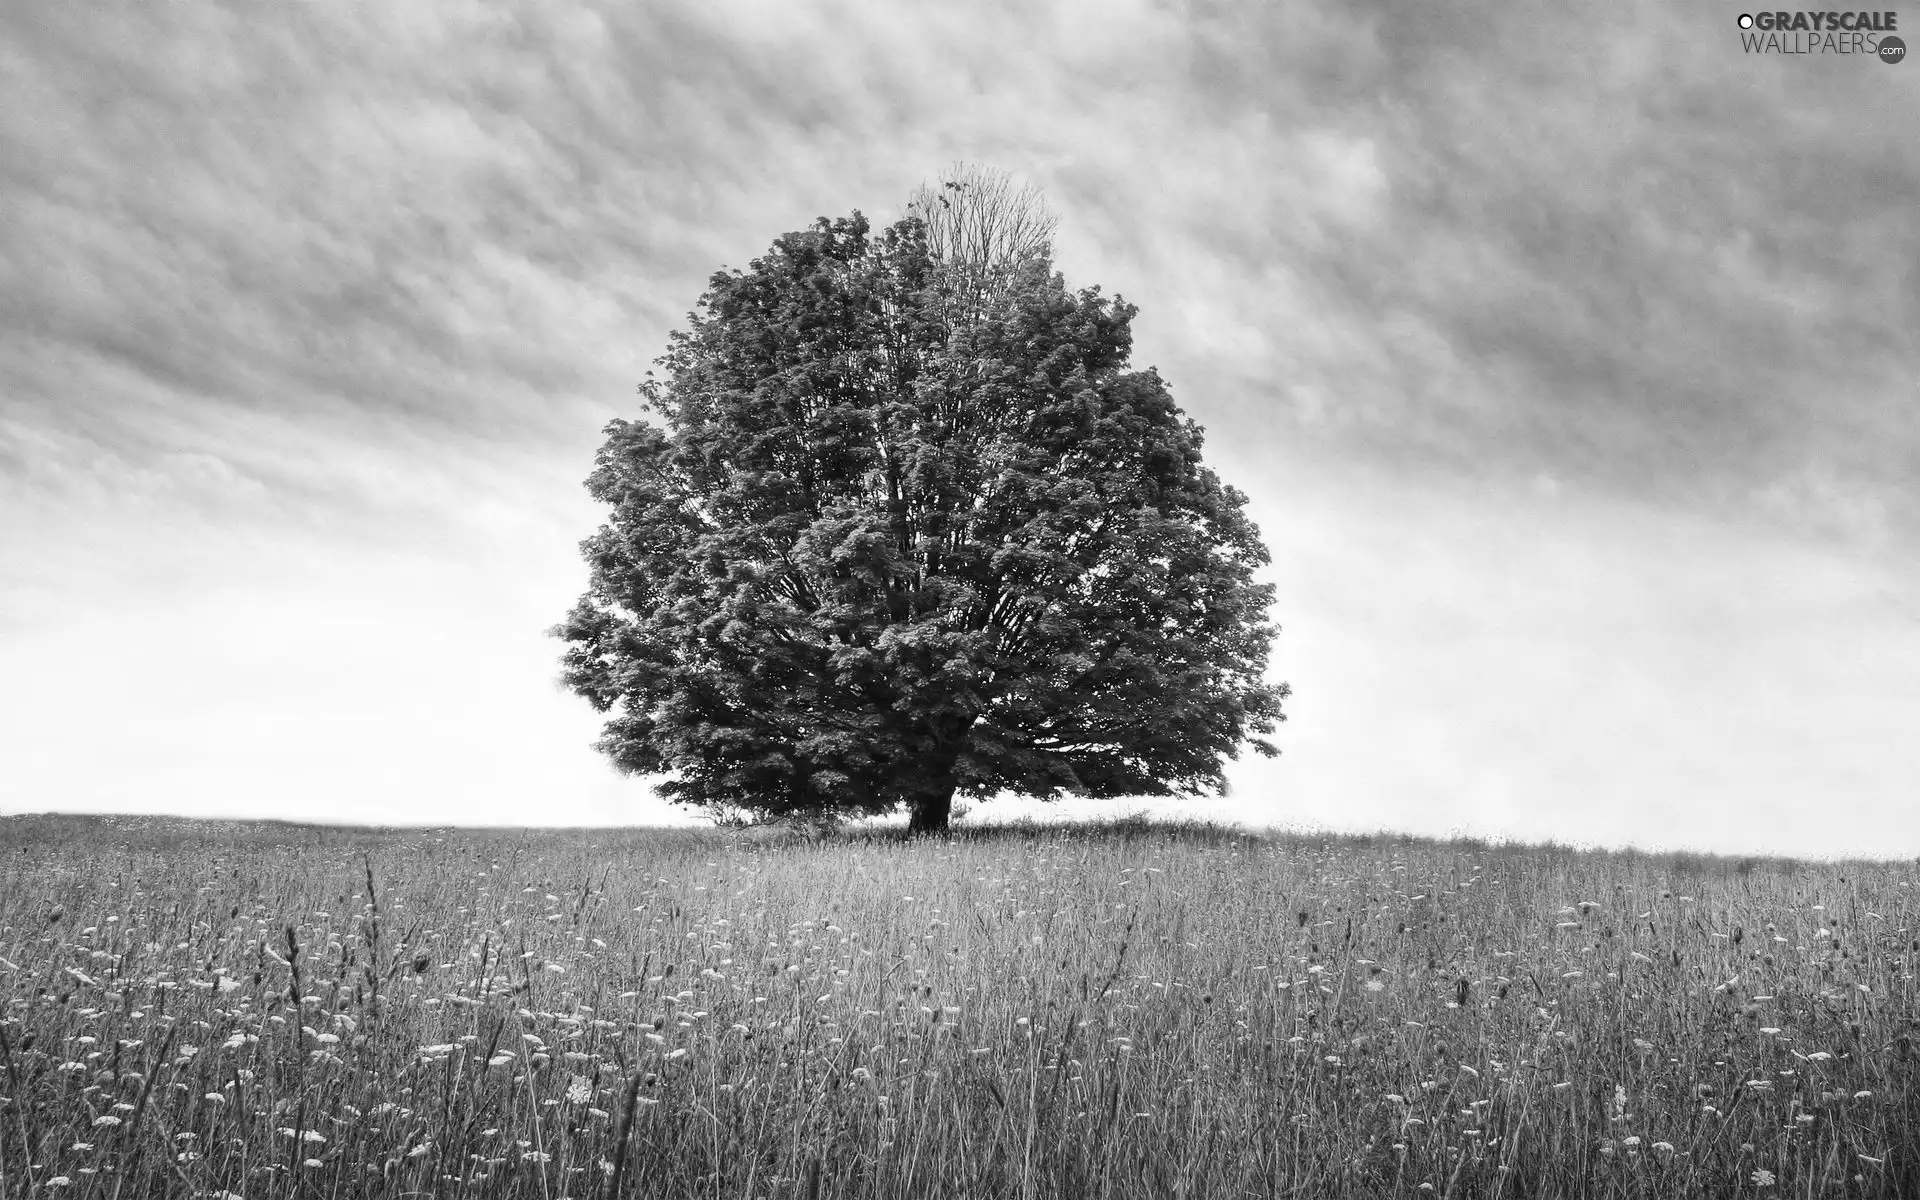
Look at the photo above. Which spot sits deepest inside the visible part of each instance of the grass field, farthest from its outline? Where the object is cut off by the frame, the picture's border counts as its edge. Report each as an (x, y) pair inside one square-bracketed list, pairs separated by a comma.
[(280, 1011)]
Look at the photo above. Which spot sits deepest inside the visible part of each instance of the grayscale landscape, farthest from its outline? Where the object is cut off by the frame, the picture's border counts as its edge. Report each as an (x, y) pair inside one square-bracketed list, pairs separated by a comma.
[(804, 601)]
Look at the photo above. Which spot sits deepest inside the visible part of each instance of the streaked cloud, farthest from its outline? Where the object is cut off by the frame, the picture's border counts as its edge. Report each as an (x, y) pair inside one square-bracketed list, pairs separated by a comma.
[(1579, 347)]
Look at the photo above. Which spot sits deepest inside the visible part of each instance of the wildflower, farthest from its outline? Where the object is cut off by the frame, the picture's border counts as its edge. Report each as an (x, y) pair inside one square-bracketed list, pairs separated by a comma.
[(1762, 1177), (580, 1090)]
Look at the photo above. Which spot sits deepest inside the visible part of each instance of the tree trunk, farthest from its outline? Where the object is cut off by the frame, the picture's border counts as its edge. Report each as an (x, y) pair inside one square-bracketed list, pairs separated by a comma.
[(933, 807), (931, 800)]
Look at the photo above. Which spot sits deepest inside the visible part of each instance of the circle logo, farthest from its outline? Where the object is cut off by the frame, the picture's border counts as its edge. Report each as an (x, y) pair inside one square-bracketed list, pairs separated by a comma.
[(1746, 20), (1892, 49)]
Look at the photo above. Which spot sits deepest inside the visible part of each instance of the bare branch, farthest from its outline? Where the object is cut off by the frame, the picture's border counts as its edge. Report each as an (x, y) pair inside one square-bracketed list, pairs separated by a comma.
[(983, 226)]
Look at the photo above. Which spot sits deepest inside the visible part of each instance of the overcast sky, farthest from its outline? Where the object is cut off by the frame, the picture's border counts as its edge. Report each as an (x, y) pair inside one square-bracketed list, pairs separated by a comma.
[(1570, 362)]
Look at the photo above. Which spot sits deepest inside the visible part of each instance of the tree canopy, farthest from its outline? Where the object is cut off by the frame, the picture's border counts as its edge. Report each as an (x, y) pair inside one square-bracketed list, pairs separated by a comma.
[(903, 525)]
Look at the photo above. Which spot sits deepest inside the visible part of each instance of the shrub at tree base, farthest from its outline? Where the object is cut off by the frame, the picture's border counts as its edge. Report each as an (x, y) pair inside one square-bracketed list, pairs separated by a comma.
[(902, 530)]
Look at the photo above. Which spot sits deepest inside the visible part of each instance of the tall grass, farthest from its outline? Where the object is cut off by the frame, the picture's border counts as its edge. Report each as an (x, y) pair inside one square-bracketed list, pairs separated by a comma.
[(277, 1011)]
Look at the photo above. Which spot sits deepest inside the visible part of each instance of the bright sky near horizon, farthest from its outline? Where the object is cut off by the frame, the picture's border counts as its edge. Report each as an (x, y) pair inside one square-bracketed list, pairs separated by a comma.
[(1570, 364)]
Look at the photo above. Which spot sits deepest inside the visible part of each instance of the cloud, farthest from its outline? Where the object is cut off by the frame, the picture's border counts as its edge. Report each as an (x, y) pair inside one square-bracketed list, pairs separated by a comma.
[(300, 292), (1587, 670)]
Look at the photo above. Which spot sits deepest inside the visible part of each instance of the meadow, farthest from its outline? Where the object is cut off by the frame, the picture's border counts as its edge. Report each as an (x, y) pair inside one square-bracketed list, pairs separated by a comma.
[(253, 1010)]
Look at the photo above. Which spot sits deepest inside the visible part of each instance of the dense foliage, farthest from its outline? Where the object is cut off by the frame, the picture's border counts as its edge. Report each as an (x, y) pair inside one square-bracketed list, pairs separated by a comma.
[(899, 530)]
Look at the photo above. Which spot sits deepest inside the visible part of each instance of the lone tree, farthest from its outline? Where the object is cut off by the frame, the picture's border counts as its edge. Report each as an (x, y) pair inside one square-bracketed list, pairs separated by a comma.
[(907, 525)]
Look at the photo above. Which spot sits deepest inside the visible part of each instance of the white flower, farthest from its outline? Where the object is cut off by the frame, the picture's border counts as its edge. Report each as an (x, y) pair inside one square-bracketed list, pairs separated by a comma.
[(1762, 1178)]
